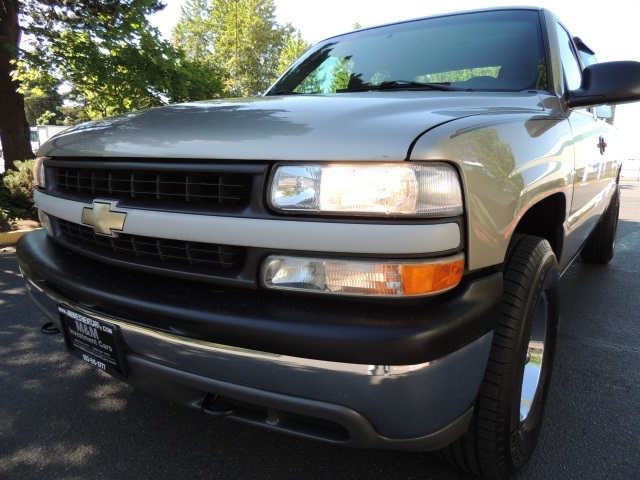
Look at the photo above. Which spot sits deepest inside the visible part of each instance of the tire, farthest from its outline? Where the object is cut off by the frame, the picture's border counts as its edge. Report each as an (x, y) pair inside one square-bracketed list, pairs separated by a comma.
[(602, 242), (504, 429)]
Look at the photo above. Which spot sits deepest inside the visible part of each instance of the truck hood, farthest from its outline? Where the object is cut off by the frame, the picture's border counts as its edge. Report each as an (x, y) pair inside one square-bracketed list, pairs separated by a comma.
[(365, 126)]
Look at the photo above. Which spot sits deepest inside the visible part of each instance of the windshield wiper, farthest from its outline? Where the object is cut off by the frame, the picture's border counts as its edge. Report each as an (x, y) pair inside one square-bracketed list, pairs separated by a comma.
[(285, 92), (402, 85)]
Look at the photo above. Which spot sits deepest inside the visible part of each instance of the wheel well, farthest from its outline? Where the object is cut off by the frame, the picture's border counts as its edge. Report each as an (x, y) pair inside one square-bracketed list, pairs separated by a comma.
[(545, 219)]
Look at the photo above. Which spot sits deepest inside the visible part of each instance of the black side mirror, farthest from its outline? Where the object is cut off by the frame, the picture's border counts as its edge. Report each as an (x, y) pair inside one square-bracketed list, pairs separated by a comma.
[(608, 82)]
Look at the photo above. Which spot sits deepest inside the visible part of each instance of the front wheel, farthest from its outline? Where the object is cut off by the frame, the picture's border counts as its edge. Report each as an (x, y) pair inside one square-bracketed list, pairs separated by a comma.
[(508, 413)]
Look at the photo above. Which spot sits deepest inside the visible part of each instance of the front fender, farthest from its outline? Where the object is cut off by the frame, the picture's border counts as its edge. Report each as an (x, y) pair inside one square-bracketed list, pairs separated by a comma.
[(508, 162)]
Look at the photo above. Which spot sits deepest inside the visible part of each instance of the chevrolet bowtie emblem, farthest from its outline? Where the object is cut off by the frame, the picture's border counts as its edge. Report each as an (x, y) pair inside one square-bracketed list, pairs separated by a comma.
[(103, 217)]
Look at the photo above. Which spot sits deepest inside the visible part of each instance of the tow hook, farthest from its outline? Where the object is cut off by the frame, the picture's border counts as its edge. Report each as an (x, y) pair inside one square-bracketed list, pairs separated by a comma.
[(49, 329), (214, 406)]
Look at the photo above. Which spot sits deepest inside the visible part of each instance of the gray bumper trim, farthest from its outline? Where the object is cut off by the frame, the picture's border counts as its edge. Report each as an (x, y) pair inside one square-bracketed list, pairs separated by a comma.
[(413, 407)]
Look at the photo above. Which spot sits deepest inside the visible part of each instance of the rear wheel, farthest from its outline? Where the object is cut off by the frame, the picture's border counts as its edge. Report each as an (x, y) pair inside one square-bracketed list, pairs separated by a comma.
[(508, 412), (602, 243)]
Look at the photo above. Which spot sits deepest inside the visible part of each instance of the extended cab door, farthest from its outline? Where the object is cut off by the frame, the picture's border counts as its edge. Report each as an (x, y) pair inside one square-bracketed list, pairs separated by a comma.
[(595, 168)]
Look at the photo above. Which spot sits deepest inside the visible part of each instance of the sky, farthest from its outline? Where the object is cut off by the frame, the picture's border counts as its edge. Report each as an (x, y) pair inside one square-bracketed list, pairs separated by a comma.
[(610, 28)]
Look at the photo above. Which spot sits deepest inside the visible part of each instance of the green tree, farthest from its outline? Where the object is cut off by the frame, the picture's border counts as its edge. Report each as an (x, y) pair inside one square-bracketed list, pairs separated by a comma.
[(241, 37), (14, 129), (248, 43), (42, 101), (293, 47), (112, 57), (194, 33), (104, 50), (74, 114)]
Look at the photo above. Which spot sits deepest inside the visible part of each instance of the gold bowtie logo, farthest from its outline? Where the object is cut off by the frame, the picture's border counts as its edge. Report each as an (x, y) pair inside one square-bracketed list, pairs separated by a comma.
[(103, 217)]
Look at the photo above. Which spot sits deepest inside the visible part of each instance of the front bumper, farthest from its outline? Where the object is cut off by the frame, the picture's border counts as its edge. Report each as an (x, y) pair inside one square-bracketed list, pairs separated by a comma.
[(377, 404)]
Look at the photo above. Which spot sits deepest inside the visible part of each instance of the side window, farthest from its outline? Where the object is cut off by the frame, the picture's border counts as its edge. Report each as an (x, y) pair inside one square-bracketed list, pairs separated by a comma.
[(571, 67), (587, 55), (587, 58)]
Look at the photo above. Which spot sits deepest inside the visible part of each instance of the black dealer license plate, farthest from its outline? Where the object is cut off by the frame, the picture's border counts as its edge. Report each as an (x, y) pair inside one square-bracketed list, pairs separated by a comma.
[(95, 341)]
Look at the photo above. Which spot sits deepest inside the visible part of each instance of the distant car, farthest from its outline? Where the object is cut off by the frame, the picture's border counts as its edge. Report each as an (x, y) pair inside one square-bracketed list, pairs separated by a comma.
[(366, 255)]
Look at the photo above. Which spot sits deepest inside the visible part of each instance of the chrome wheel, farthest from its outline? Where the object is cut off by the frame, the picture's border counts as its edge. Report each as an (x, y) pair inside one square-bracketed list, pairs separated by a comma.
[(534, 358), (508, 413)]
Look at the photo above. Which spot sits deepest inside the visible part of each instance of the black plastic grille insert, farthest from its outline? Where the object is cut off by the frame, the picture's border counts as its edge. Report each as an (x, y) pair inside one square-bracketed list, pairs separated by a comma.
[(160, 251), (173, 186)]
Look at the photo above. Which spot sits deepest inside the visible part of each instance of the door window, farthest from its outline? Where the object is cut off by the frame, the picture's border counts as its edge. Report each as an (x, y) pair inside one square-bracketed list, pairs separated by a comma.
[(570, 64)]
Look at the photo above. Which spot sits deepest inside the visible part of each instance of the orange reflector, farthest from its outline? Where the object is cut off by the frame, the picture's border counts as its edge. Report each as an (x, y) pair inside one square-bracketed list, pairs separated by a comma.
[(431, 278)]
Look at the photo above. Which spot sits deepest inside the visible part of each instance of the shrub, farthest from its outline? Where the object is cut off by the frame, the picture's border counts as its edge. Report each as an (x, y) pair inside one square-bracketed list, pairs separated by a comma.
[(16, 194), (4, 219)]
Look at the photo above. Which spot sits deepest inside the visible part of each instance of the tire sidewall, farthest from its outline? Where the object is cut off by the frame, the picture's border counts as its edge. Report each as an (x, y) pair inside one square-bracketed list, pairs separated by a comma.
[(523, 437), (601, 244)]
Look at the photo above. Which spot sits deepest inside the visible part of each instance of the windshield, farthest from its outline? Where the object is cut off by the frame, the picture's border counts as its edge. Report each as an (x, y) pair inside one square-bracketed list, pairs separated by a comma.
[(500, 51)]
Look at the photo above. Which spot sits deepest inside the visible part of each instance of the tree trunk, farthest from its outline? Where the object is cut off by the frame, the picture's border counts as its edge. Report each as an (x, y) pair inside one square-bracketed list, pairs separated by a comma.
[(14, 129)]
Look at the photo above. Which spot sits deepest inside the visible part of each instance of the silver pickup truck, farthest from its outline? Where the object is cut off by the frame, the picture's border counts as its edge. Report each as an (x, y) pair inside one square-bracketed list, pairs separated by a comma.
[(368, 254)]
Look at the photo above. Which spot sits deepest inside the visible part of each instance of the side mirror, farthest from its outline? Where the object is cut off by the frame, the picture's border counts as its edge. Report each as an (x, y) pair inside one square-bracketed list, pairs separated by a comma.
[(608, 82)]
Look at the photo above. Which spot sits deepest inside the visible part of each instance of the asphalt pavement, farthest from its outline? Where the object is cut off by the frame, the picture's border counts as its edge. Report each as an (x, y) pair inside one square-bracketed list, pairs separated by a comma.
[(62, 419)]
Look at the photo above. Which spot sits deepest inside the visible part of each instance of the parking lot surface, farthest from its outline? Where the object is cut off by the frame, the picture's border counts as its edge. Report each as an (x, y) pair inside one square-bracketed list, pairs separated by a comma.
[(62, 419)]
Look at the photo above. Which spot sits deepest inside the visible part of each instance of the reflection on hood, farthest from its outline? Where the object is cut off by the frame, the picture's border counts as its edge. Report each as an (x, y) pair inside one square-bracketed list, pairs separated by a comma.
[(366, 126)]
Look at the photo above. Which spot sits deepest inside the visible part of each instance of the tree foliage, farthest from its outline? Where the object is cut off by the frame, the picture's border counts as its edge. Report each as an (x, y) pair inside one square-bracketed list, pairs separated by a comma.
[(105, 52), (242, 38), (194, 32), (294, 46), (111, 60), (42, 100), (111, 56), (248, 43), (14, 128)]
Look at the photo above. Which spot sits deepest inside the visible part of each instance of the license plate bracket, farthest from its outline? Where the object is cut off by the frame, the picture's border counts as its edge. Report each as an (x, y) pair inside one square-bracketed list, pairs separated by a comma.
[(93, 340)]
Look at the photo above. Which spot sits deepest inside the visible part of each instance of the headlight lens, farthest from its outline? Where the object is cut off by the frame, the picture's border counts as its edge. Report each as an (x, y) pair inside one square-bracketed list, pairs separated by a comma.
[(389, 189), (364, 278), (38, 172)]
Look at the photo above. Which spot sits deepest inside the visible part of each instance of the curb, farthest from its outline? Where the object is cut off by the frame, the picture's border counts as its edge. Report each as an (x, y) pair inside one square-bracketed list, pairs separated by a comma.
[(9, 238)]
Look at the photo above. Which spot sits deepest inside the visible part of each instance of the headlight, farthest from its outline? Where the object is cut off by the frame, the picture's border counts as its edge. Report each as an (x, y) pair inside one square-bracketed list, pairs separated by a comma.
[(362, 277), (38, 172), (384, 189)]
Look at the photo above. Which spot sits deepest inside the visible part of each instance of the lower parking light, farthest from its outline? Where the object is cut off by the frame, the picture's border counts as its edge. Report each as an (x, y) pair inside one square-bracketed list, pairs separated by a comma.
[(362, 277)]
